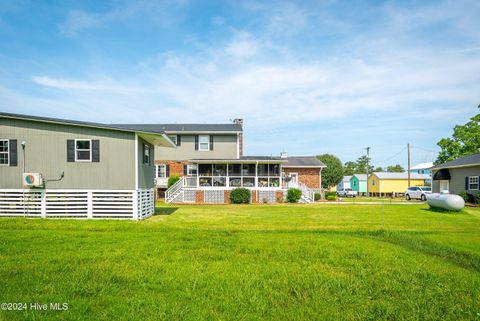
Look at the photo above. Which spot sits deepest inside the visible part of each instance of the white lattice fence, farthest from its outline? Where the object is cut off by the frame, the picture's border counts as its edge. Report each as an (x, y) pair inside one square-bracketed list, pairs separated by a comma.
[(214, 197), (267, 197), (90, 204)]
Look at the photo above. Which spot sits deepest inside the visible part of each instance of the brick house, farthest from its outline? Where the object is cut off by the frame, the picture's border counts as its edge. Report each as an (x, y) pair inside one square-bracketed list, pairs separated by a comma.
[(209, 159)]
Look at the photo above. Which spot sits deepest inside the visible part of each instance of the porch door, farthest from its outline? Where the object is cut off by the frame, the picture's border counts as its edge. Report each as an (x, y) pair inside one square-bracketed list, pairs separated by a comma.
[(294, 181), (444, 186)]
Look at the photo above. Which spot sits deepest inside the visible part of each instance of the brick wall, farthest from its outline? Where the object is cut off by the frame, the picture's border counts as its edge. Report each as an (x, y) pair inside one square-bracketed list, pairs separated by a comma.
[(226, 195), (199, 197), (176, 167), (308, 176)]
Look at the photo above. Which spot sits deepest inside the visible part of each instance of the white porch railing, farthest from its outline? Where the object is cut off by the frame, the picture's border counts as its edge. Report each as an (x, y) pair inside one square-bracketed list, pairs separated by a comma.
[(308, 194), (84, 204), (175, 190)]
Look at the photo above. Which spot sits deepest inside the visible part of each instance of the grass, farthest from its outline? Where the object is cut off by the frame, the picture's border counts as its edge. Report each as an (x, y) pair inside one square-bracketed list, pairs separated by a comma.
[(261, 262), (376, 199)]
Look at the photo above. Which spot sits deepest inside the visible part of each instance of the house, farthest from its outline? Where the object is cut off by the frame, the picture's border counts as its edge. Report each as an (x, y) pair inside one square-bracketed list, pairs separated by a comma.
[(358, 183), (384, 183), (76, 169), (344, 183), (422, 168), (211, 162), (459, 175)]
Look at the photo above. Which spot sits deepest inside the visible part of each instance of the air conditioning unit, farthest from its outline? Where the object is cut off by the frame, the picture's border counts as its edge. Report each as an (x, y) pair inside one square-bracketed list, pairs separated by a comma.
[(32, 180)]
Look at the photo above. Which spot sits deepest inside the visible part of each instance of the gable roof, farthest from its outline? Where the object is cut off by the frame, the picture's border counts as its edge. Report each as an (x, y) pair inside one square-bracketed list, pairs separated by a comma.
[(185, 128), (149, 135), (361, 177), (387, 175), (304, 161), (465, 161), (347, 178)]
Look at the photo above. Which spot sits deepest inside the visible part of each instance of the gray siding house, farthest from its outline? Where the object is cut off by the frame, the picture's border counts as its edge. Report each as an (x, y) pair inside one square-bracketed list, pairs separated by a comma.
[(103, 170), (459, 175)]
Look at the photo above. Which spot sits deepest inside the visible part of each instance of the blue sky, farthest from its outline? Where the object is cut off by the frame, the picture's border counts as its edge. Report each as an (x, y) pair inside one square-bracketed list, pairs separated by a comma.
[(308, 77)]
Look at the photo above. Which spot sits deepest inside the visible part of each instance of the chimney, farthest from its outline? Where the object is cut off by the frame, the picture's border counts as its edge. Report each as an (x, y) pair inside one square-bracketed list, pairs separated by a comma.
[(283, 154), (239, 121)]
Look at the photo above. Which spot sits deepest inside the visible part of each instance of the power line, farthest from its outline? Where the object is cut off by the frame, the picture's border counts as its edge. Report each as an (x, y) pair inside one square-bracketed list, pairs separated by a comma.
[(391, 157)]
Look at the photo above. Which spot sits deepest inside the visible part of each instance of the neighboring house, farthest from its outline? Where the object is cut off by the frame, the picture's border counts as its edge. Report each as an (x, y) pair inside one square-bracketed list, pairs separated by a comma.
[(209, 158), (384, 183), (423, 168), (358, 183), (193, 141), (344, 183), (459, 175), (107, 170)]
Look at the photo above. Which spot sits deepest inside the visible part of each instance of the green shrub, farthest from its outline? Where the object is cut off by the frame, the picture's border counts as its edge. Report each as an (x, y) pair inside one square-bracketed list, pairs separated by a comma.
[(477, 199), (317, 196), (330, 196), (294, 195), (469, 198), (240, 196), (172, 180)]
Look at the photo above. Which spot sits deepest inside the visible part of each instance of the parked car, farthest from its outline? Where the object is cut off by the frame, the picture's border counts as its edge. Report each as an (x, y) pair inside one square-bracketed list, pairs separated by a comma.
[(418, 192), (347, 192)]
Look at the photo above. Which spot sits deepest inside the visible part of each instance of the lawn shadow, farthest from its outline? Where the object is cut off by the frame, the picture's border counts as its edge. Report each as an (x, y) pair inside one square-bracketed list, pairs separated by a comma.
[(165, 210), (440, 210)]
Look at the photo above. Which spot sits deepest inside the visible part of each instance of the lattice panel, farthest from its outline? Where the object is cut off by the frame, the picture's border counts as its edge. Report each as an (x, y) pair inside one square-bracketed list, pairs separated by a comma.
[(214, 197), (267, 197)]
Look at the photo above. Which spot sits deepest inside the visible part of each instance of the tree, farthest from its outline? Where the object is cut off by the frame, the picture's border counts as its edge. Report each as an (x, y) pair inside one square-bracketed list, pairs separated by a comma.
[(464, 141), (349, 168), (395, 169), (378, 169), (333, 173), (362, 162)]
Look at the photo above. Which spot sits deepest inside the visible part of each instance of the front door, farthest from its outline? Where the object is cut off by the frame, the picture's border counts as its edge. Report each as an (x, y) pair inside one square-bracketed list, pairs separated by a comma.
[(294, 181), (444, 186)]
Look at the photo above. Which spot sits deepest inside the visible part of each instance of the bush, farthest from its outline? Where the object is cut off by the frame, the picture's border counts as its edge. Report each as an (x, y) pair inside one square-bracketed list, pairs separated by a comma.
[(317, 196), (330, 196), (477, 198), (469, 198), (294, 195), (240, 196), (172, 180)]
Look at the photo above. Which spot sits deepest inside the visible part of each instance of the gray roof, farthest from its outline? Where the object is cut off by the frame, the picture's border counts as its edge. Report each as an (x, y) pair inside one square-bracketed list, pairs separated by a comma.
[(243, 159), (361, 177), (347, 178), (303, 161), (77, 123), (387, 175), (470, 160), (176, 128)]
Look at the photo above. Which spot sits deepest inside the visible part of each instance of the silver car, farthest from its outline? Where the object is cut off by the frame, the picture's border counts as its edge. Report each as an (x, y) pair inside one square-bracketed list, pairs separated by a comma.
[(347, 192), (418, 192)]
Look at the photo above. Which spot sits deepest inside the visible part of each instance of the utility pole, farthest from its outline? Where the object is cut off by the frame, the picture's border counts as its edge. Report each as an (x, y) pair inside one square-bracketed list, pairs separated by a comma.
[(408, 148), (368, 153)]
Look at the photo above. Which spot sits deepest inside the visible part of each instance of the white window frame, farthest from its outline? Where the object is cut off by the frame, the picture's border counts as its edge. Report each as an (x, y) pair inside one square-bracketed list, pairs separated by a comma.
[(189, 168), (157, 167), (173, 138), (200, 143), (146, 148), (90, 150), (7, 152), (470, 183)]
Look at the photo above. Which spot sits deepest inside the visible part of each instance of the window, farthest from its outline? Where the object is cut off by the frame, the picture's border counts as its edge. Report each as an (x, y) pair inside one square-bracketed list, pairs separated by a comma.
[(373, 182), (83, 150), (192, 169), (354, 183), (204, 142), (173, 138), (473, 183), (4, 152), (146, 154), (161, 171)]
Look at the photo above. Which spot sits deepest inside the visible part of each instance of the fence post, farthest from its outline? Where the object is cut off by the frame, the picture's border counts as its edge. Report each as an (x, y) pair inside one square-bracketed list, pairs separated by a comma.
[(89, 204), (135, 205), (43, 204)]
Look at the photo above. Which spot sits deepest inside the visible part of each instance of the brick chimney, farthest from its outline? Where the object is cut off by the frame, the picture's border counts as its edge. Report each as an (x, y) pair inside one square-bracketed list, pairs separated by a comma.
[(239, 121)]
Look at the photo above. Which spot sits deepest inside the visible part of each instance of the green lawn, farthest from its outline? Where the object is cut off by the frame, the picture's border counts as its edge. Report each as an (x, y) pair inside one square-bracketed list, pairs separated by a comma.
[(284, 262)]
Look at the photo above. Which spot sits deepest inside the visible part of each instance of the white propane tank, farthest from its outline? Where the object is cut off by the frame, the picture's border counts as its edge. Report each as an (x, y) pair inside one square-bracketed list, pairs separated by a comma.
[(449, 202)]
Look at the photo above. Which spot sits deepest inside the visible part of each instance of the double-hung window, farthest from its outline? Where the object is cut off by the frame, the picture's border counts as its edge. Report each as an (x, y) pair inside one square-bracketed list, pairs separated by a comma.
[(192, 169), (173, 138), (4, 152), (161, 171), (146, 154), (204, 142), (473, 183), (83, 150)]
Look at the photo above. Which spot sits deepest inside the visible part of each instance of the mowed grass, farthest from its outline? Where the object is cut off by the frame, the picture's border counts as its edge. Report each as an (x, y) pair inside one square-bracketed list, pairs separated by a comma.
[(283, 262)]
